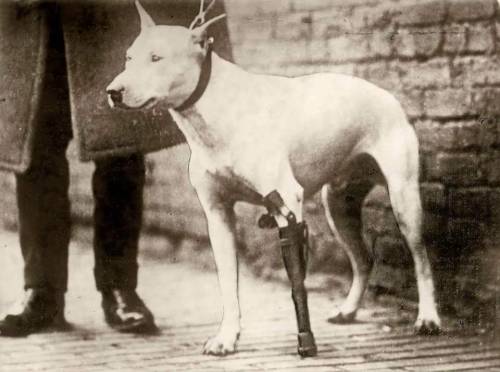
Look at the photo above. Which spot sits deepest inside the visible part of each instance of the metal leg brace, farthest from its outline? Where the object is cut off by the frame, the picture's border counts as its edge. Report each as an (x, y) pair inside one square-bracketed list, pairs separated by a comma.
[(294, 247)]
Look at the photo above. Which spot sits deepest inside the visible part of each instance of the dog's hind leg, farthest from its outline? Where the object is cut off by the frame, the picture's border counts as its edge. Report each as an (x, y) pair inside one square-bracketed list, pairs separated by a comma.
[(343, 212), (406, 205), (401, 174)]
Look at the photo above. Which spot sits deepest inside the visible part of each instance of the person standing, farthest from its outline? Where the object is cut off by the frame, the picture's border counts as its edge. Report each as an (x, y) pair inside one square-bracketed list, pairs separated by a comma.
[(56, 58)]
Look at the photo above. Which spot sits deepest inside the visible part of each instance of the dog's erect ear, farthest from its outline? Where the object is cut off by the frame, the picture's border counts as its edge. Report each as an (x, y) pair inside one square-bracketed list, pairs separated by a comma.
[(199, 34), (146, 20)]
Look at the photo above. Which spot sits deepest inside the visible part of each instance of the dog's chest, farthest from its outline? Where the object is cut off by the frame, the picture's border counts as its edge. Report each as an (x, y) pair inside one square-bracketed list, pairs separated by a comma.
[(234, 184), (234, 170), (229, 159)]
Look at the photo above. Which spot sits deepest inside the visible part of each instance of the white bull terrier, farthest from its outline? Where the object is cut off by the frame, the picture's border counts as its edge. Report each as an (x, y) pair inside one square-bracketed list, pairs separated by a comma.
[(254, 135)]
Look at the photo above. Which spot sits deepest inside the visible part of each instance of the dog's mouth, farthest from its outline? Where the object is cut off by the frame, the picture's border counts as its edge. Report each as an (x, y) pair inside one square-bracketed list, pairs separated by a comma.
[(146, 105)]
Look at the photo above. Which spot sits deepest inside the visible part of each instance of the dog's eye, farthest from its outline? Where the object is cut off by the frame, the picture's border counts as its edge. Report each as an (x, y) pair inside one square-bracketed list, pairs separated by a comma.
[(155, 58)]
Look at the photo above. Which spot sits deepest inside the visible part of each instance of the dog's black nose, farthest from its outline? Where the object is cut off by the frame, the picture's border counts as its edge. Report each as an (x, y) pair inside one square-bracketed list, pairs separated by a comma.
[(115, 95)]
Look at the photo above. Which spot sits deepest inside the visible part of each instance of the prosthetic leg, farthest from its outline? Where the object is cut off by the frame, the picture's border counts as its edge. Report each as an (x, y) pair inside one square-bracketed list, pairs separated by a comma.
[(294, 247)]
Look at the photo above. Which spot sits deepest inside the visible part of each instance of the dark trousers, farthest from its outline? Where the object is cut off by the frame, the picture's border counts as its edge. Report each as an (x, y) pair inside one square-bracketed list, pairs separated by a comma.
[(42, 194)]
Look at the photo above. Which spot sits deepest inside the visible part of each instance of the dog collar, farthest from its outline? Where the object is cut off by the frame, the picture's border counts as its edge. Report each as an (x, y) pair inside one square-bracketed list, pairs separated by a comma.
[(206, 71)]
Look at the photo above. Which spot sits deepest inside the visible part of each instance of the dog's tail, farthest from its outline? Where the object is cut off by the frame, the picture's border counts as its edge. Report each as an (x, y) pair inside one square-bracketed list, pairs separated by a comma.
[(325, 190)]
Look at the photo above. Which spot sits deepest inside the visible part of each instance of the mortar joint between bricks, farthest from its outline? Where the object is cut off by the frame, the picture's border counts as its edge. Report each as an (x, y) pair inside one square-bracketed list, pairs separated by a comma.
[(392, 38), (464, 54), (361, 60), (440, 47), (454, 68), (446, 17), (494, 35), (274, 25), (420, 58)]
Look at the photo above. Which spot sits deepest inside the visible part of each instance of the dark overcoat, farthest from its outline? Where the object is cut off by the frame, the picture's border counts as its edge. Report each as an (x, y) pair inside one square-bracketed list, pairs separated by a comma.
[(97, 34)]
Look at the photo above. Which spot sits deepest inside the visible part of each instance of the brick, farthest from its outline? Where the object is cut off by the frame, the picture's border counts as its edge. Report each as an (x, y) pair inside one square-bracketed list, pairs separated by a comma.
[(434, 197), (411, 100), (310, 4), (379, 221), (383, 74), (330, 23), (311, 68), (348, 47), (480, 38), (469, 202), (455, 169), (431, 136), (430, 74), (447, 103), (418, 42), (461, 135), (476, 70), (317, 51), (497, 33), (380, 43), (434, 228), (258, 7), (306, 69), (489, 127), (495, 207), (485, 70), (463, 231), (379, 17), (262, 56), (466, 10), (466, 135), (455, 38), (252, 29), (420, 13), (493, 168), (496, 123), (294, 26), (487, 102)]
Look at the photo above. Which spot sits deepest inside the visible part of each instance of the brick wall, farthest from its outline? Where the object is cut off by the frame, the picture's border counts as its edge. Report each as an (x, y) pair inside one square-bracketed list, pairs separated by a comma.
[(441, 59)]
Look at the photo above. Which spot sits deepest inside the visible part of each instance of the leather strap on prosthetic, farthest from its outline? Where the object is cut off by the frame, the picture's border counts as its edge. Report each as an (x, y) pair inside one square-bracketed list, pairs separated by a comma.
[(294, 248), (275, 205)]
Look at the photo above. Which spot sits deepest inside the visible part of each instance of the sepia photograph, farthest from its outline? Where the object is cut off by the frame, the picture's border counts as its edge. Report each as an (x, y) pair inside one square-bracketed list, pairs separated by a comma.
[(250, 185)]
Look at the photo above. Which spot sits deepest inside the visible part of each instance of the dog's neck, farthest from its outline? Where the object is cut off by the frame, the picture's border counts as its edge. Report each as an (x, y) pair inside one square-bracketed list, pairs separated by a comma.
[(204, 122), (203, 80)]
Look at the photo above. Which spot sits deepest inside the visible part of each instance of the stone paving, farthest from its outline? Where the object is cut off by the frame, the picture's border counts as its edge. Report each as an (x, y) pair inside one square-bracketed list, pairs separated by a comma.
[(186, 303)]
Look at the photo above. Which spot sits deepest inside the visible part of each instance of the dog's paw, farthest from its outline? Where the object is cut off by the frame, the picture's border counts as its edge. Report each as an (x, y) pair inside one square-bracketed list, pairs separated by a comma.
[(428, 327), (340, 317), (223, 343)]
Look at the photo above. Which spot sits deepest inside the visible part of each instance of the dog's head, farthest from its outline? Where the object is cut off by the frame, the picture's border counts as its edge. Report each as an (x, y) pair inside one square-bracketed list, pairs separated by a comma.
[(162, 64)]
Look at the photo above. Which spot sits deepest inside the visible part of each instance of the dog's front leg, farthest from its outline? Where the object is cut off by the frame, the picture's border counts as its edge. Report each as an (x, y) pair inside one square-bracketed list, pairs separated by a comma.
[(221, 229), (285, 204)]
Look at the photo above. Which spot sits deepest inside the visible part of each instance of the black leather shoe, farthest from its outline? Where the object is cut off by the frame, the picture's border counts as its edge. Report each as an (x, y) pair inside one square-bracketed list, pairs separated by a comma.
[(124, 311), (40, 309)]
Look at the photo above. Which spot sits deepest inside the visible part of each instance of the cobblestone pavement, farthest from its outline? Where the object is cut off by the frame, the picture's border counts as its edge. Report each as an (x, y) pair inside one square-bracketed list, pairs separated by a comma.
[(186, 303)]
